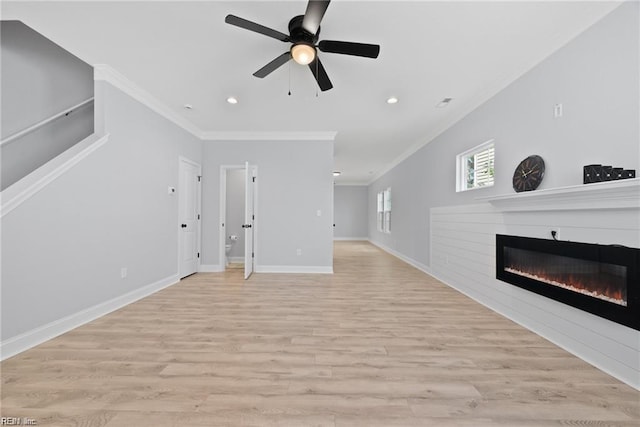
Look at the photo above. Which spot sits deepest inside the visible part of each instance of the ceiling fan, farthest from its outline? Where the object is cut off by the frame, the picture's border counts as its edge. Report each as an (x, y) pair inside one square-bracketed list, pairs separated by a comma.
[(304, 31)]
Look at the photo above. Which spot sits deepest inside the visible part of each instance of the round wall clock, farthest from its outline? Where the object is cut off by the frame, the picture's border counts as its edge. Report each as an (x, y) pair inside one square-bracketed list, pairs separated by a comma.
[(529, 173)]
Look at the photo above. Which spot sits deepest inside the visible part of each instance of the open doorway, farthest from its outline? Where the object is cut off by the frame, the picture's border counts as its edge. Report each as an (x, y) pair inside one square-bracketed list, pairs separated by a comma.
[(234, 218), (237, 214)]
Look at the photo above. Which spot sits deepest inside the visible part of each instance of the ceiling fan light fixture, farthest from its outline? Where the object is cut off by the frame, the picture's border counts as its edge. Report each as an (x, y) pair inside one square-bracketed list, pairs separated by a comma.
[(392, 100), (337, 173), (232, 100), (303, 53)]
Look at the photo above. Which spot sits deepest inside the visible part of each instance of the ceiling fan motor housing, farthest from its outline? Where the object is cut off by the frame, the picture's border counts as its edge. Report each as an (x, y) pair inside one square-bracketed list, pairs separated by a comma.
[(298, 34)]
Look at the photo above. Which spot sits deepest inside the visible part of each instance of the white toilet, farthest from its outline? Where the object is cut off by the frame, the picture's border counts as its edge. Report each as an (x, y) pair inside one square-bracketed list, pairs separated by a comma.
[(227, 248)]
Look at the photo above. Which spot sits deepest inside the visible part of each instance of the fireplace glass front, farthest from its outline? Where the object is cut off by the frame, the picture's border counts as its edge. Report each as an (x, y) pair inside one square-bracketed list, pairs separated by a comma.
[(600, 279)]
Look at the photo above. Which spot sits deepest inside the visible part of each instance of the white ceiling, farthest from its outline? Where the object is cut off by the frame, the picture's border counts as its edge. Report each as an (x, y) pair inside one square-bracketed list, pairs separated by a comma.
[(184, 53)]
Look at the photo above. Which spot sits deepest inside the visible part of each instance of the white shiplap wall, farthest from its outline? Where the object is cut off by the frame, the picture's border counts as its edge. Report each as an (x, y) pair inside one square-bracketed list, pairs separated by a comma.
[(463, 256)]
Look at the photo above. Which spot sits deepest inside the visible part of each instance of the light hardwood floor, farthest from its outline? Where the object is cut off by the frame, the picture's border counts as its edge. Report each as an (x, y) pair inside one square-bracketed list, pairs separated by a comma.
[(378, 343)]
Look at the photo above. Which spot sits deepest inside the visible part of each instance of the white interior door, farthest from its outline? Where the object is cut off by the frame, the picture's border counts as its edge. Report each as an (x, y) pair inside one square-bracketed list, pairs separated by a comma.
[(189, 217), (249, 221)]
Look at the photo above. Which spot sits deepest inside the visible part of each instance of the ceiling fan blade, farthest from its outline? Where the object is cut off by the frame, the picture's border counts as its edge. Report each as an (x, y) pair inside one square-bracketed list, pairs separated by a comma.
[(320, 74), (350, 48), (273, 65), (252, 26), (313, 15)]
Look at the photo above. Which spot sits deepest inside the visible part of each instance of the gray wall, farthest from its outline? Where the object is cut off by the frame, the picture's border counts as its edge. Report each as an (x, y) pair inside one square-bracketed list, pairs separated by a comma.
[(235, 210), (294, 182), (350, 204), (63, 249), (39, 79), (595, 77)]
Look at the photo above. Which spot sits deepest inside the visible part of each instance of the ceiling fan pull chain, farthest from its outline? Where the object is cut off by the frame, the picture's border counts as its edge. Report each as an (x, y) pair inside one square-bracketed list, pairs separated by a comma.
[(317, 62), (289, 78)]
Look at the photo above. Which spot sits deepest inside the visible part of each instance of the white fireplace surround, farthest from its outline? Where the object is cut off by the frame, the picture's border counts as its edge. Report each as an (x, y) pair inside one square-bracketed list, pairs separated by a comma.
[(463, 256)]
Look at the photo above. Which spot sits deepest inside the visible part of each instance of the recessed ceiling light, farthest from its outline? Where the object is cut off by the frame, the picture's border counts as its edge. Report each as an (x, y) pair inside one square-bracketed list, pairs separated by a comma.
[(188, 106), (336, 173), (232, 100), (392, 100), (444, 102)]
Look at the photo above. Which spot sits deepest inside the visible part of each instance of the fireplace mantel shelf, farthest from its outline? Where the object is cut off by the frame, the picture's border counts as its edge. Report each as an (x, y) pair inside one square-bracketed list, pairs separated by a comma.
[(623, 194)]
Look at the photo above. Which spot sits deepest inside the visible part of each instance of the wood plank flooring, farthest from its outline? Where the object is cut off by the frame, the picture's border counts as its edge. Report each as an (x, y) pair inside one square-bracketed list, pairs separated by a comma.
[(378, 343)]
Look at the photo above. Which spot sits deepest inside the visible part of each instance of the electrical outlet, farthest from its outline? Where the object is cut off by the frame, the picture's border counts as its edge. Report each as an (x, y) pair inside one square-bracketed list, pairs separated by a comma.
[(557, 111), (298, 252), (123, 272)]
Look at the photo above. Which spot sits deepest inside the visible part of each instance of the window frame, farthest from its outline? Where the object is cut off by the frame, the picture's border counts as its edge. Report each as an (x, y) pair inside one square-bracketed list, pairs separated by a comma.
[(462, 170), (383, 211)]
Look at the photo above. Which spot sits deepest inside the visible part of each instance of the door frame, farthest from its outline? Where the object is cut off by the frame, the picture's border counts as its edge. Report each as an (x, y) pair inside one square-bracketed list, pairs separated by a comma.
[(182, 159), (222, 238)]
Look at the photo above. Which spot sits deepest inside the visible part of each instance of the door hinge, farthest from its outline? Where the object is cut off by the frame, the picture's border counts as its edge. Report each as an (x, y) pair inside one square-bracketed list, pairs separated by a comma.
[(253, 255), (253, 217), (198, 216), (199, 178), (253, 179), (198, 254)]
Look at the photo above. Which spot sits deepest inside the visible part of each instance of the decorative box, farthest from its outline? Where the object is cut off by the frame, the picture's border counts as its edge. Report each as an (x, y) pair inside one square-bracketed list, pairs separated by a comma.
[(592, 173)]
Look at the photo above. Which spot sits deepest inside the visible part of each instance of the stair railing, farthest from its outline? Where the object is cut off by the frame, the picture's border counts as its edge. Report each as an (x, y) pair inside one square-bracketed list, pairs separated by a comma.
[(38, 125)]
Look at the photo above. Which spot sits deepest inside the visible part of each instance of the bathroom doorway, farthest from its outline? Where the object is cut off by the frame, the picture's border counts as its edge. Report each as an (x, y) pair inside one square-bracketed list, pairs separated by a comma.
[(237, 214)]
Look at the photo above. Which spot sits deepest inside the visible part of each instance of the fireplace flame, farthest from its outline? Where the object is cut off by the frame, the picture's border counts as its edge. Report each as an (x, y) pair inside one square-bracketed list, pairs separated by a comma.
[(595, 279)]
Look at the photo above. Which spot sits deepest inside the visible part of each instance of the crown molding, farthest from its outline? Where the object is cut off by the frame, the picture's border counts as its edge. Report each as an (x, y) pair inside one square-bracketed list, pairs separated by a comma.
[(103, 72), (268, 136)]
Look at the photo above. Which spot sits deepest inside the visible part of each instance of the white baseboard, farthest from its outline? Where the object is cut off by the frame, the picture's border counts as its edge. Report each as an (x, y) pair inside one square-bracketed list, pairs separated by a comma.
[(210, 268), (34, 337), (294, 269), (412, 262), (348, 239)]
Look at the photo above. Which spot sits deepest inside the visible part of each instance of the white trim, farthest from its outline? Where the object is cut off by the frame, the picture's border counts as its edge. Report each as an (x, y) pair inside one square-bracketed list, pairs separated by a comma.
[(41, 334), (16, 194), (268, 136), (349, 239), (211, 268), (621, 194), (302, 269), (45, 121), (412, 262), (222, 215), (108, 74)]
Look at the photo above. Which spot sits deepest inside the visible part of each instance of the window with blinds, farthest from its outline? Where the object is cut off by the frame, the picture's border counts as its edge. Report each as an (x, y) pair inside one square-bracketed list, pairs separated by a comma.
[(475, 167)]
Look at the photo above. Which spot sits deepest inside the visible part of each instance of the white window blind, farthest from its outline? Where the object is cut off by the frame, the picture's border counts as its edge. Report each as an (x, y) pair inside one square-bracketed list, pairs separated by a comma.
[(475, 167)]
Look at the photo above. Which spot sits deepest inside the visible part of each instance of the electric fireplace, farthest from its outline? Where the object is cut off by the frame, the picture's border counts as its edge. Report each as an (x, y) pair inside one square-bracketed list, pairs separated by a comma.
[(601, 279)]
